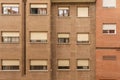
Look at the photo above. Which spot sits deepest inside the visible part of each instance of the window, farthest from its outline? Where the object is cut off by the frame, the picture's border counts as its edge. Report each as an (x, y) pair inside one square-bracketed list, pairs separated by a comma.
[(10, 37), (109, 28), (10, 64), (63, 38), (38, 37), (63, 64), (38, 65), (82, 64), (83, 38), (82, 12), (10, 8), (109, 3), (38, 9), (63, 11)]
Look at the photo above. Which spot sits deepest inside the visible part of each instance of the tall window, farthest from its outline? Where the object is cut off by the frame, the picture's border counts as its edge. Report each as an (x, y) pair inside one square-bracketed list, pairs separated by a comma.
[(82, 64), (38, 9), (38, 37), (38, 65), (109, 28), (109, 3), (82, 11), (63, 38), (10, 37), (10, 8), (63, 11), (83, 38), (63, 64), (10, 64)]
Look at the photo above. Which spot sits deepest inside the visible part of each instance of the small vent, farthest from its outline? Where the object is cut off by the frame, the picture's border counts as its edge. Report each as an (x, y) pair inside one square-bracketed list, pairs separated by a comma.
[(109, 57)]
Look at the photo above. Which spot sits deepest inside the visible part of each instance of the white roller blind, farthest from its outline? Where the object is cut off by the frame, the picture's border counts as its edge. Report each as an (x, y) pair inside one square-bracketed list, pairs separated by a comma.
[(109, 26), (10, 34), (63, 62), (82, 37), (63, 35), (38, 5), (10, 62), (64, 8), (82, 63), (10, 5), (83, 12), (38, 62), (109, 3), (38, 36)]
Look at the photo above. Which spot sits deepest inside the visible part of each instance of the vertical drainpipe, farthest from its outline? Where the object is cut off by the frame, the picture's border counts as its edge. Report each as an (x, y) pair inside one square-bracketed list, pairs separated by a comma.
[(24, 38)]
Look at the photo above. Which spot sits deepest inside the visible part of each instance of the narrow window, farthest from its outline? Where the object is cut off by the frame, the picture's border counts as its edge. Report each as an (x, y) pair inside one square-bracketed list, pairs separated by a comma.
[(109, 28), (63, 38), (40, 37), (82, 12), (63, 11), (10, 64), (38, 9), (10, 9), (63, 64), (10, 37), (38, 65), (83, 38), (82, 64)]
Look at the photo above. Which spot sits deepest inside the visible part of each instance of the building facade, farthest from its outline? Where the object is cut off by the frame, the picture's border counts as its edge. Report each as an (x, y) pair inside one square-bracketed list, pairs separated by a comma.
[(107, 39), (47, 39)]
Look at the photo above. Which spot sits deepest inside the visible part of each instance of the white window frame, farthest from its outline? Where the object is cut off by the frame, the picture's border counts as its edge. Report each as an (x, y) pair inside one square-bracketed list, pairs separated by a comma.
[(36, 37), (41, 8), (39, 63), (109, 27), (84, 63), (10, 36), (9, 63), (10, 7), (80, 12), (63, 64), (64, 9), (109, 3), (65, 37), (84, 40)]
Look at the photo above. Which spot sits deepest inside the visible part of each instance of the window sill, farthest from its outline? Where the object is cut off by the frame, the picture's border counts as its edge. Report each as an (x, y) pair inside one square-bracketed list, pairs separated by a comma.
[(9, 43), (83, 43), (63, 43), (38, 43), (10, 15), (84, 17), (63, 69), (38, 70), (83, 69), (10, 70), (108, 34), (64, 17), (107, 7), (37, 15)]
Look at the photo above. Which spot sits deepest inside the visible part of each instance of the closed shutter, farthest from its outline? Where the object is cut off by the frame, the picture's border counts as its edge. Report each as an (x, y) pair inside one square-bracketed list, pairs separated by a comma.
[(63, 35), (83, 37), (82, 63), (10, 62), (83, 12), (10, 34), (38, 36), (38, 62), (38, 5), (63, 63)]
